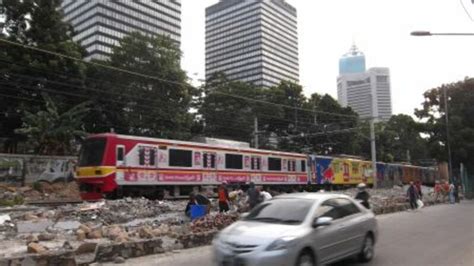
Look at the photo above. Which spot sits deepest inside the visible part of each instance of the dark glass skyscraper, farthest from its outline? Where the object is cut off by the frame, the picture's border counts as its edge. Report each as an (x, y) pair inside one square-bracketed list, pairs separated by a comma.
[(100, 24), (254, 41)]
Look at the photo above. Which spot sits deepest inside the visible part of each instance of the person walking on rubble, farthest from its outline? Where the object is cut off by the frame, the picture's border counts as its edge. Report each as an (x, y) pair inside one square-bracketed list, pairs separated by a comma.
[(192, 201), (412, 195), (223, 194), (202, 199), (253, 195), (363, 196)]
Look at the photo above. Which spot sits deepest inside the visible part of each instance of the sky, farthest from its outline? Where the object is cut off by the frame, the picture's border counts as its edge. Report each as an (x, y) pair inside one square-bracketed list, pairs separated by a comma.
[(380, 28)]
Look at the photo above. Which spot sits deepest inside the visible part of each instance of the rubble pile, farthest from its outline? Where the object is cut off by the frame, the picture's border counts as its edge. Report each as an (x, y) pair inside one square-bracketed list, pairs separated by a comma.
[(394, 199), (42, 191), (101, 230), (213, 221)]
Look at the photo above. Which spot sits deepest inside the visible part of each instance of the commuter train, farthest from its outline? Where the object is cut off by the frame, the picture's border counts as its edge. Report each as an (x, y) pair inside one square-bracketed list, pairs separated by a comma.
[(112, 165)]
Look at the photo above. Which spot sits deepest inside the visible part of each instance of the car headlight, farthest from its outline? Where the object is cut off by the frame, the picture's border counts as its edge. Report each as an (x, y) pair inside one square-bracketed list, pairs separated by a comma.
[(282, 243)]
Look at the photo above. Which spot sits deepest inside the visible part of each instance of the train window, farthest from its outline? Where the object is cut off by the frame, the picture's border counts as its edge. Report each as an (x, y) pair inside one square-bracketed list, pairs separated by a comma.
[(274, 164), (256, 162), (209, 160), (303, 165), (183, 158), (120, 153), (291, 166), (146, 156), (233, 161)]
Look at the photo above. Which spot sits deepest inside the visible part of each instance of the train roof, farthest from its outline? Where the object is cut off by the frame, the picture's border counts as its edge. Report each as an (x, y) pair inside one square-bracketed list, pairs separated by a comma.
[(196, 144)]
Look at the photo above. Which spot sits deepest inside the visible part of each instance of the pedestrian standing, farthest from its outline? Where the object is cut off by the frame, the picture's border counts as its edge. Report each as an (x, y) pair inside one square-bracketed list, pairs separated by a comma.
[(223, 194), (418, 188), (456, 193), (253, 195), (451, 193), (412, 195), (192, 201), (202, 199), (363, 195), (265, 194)]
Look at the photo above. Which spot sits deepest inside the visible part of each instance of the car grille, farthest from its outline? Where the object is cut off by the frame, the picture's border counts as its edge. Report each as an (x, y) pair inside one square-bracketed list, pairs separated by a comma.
[(240, 248)]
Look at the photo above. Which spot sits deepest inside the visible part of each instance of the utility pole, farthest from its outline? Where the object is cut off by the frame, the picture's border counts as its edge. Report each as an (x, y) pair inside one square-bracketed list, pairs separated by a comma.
[(373, 151), (255, 132), (450, 166), (372, 141)]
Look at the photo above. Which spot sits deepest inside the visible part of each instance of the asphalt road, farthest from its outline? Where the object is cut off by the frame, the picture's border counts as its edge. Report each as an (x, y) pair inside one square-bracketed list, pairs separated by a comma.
[(439, 235)]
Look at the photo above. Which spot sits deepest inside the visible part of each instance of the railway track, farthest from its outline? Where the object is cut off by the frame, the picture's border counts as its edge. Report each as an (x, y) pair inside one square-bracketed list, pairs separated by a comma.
[(53, 203)]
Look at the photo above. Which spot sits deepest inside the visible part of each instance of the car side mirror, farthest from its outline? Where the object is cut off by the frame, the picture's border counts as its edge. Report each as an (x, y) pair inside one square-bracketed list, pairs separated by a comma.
[(322, 221)]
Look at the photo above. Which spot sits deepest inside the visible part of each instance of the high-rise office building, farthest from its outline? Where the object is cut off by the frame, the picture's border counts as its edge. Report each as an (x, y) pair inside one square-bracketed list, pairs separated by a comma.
[(352, 61), (367, 93), (252, 40), (100, 24)]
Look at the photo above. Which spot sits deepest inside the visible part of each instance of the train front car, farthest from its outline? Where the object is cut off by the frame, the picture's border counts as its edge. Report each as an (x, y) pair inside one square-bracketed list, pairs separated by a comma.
[(95, 173)]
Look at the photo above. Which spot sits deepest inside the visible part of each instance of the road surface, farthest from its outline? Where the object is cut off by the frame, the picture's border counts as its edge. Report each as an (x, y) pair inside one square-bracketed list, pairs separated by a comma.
[(438, 235)]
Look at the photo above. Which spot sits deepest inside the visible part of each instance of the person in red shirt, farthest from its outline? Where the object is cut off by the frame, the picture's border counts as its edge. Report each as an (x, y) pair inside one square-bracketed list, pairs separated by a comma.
[(223, 194)]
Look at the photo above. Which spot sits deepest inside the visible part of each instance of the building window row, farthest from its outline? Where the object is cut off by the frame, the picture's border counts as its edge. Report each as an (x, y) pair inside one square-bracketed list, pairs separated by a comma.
[(77, 8), (234, 59), (241, 7), (149, 25), (279, 22), (222, 46), (225, 35), (234, 37), (250, 26), (147, 13), (228, 68), (282, 40), (236, 69), (232, 22), (283, 14), (233, 50)]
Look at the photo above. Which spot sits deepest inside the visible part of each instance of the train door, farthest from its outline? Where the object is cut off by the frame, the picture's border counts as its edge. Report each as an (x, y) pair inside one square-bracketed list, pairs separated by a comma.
[(209, 166)]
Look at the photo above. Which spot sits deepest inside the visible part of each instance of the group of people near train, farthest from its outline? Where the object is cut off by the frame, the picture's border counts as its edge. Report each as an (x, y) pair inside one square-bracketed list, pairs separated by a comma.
[(234, 198)]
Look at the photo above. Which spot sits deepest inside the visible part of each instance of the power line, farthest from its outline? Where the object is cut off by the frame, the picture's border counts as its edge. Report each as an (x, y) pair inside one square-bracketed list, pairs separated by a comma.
[(164, 80)]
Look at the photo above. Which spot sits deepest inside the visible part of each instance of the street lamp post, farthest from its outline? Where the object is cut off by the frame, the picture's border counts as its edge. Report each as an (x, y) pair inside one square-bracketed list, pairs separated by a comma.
[(427, 33)]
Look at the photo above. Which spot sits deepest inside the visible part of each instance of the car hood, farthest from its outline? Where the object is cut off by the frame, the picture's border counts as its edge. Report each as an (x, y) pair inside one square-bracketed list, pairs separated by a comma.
[(258, 233)]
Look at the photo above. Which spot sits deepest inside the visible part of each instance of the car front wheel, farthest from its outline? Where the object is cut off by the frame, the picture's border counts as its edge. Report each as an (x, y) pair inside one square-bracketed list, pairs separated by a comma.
[(306, 259), (368, 251)]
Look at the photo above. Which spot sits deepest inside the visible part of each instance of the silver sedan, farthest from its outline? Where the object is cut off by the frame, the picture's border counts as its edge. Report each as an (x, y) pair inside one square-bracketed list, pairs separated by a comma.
[(299, 229)]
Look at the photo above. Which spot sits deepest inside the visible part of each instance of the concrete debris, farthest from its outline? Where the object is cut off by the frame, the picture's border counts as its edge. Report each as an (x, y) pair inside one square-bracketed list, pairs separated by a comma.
[(87, 247), (36, 248), (129, 227), (46, 237), (95, 234), (4, 218), (119, 260)]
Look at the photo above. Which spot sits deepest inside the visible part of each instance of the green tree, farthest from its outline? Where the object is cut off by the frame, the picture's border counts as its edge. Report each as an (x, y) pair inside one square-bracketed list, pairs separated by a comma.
[(461, 122), (225, 116), (51, 132), (25, 73), (156, 103)]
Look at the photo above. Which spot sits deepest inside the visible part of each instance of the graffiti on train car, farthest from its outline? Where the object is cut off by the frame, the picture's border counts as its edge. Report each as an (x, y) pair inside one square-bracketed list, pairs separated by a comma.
[(341, 171)]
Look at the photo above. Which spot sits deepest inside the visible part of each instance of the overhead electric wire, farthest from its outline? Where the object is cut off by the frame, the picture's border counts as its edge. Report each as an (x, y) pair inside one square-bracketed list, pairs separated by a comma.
[(164, 80)]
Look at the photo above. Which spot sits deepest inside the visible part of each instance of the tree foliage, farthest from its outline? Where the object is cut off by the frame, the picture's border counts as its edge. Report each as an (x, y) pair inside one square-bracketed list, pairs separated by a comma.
[(51, 132), (156, 103), (25, 73), (460, 98)]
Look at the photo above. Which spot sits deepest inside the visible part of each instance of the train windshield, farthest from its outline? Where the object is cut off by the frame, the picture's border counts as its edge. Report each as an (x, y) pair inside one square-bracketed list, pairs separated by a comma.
[(92, 152)]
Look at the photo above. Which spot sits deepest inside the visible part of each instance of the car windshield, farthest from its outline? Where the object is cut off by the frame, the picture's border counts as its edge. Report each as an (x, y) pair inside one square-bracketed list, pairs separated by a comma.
[(284, 211)]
